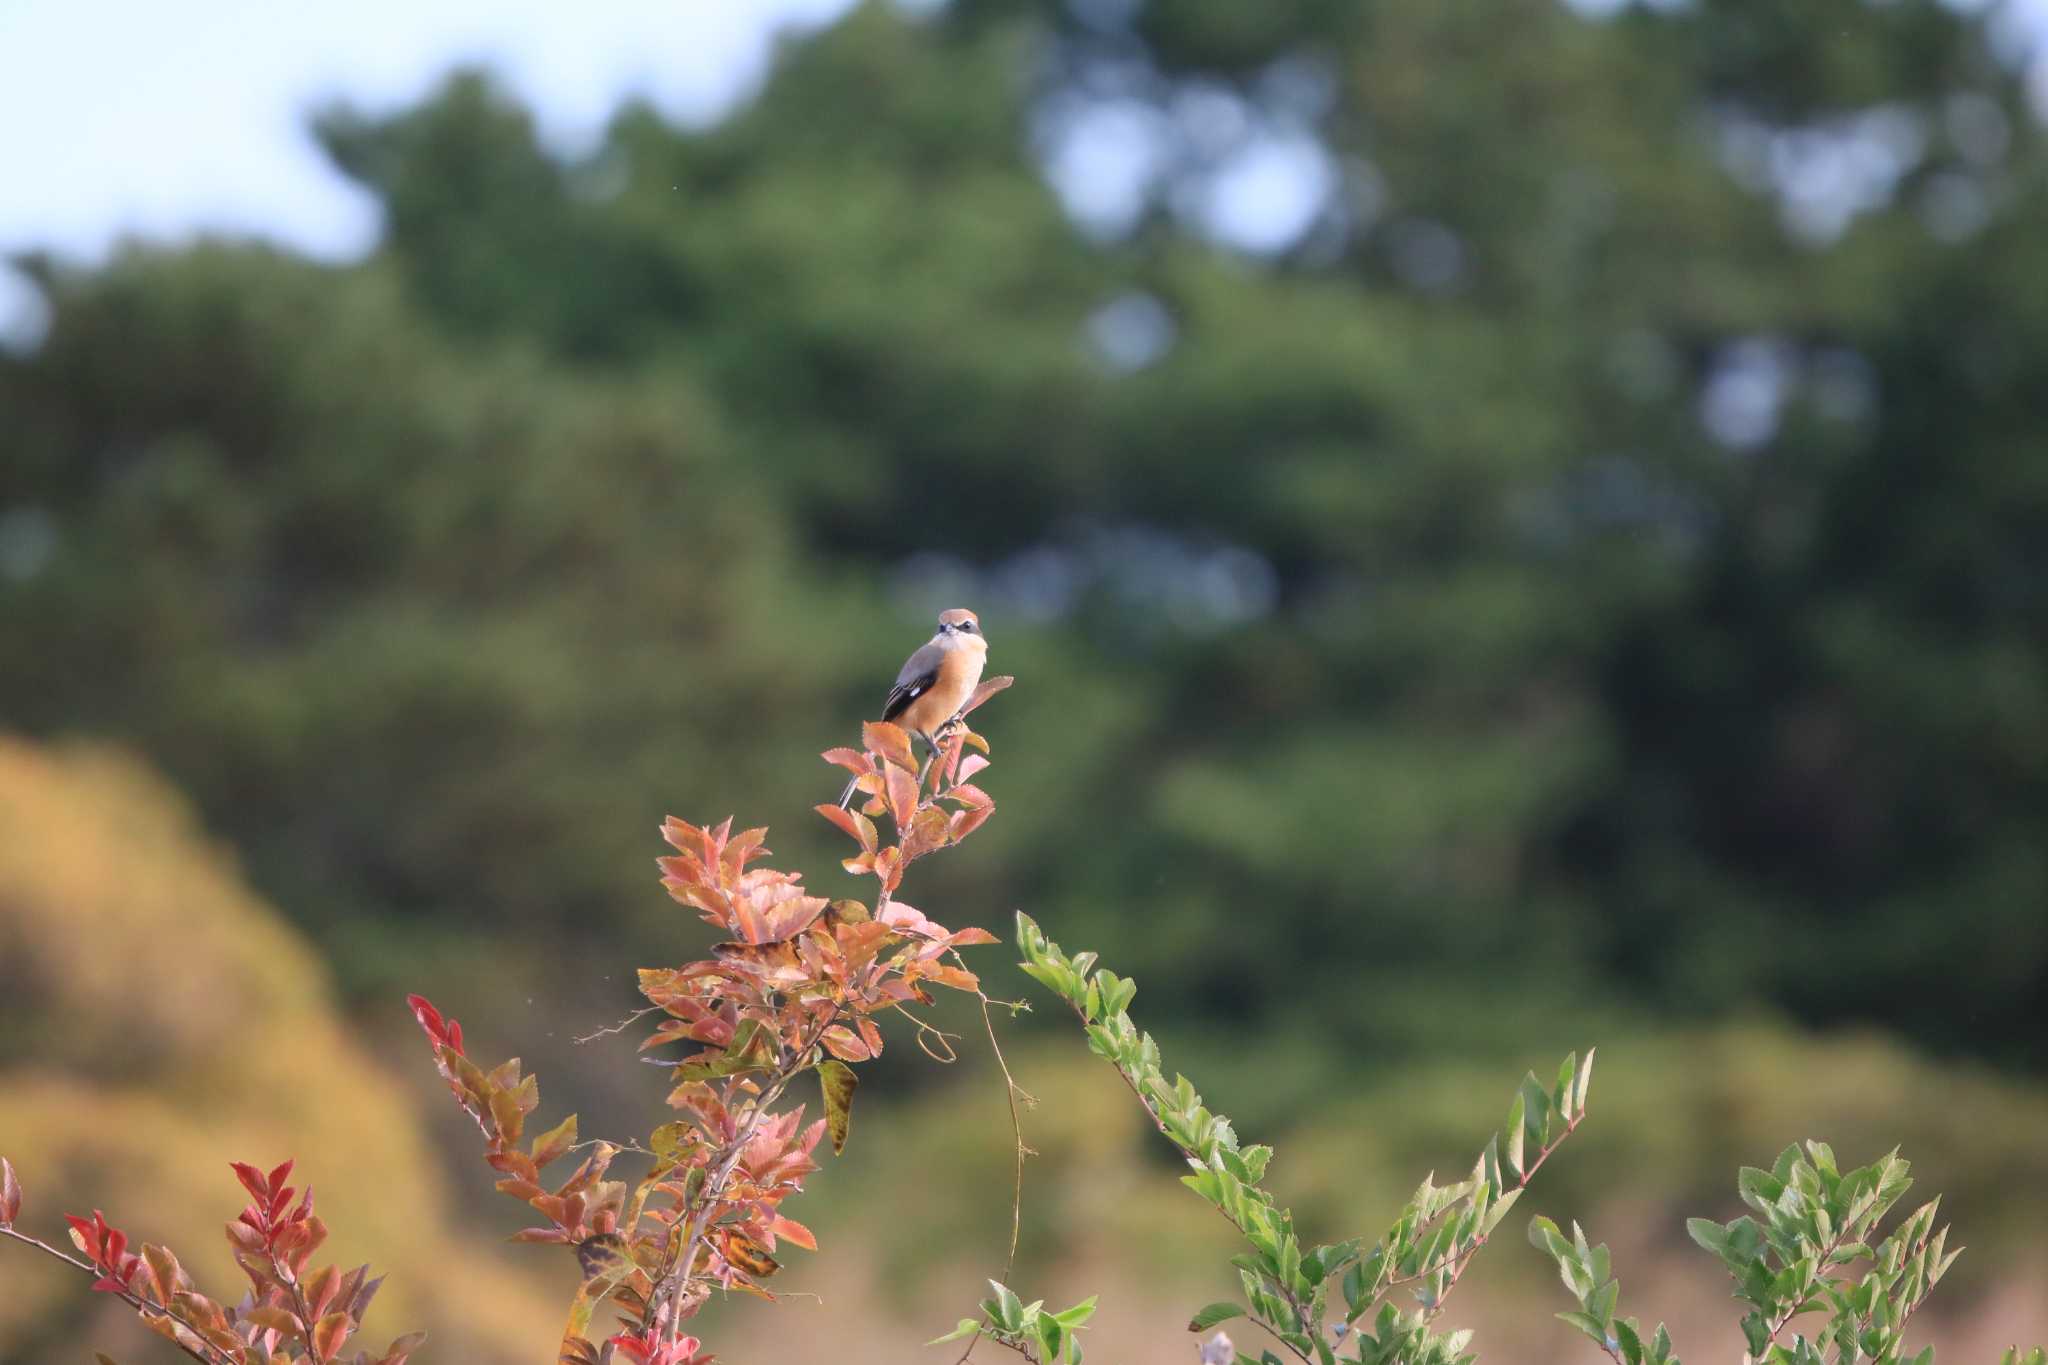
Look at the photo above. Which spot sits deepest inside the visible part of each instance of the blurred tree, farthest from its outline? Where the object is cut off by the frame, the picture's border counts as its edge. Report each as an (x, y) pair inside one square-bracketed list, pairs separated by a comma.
[(129, 1078), (1572, 485)]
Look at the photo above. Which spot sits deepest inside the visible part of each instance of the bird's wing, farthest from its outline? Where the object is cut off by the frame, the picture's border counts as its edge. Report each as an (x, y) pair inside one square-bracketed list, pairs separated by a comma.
[(919, 672)]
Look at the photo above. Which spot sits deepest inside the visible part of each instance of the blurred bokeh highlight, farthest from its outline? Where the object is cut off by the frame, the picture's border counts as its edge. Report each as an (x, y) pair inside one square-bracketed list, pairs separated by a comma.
[(1518, 525)]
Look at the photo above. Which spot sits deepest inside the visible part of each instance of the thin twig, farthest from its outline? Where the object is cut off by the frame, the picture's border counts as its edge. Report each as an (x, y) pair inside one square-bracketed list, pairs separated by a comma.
[(1010, 1093), (212, 1354), (635, 1017), (1463, 1258), (676, 1281)]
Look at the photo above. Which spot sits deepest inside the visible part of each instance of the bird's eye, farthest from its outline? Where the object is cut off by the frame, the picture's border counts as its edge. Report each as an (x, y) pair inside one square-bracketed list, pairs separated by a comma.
[(967, 626)]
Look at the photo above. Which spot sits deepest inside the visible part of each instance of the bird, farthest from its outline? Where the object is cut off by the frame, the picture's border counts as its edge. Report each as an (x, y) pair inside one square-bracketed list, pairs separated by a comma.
[(935, 682)]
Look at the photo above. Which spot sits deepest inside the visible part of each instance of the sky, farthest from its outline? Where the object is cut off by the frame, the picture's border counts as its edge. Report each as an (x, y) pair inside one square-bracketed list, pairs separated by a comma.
[(135, 116), (139, 118)]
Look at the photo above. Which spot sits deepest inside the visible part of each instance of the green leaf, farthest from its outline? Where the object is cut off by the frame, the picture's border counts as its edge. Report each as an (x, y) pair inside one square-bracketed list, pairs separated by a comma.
[(968, 1327), (1601, 1302), (1708, 1234), (1221, 1311), (1078, 1314), (1760, 1189), (1053, 977), (838, 1081), (1591, 1326), (1008, 1309), (1513, 1129)]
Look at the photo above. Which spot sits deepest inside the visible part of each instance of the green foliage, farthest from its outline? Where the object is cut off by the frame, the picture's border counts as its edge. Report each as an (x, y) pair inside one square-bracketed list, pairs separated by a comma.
[(376, 560), (1049, 1338), (1585, 1271), (1428, 1248), (1811, 1220), (1813, 1226)]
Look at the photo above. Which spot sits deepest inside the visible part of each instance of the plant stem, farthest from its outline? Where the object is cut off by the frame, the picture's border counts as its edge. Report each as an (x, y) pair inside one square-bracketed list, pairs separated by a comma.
[(211, 1355)]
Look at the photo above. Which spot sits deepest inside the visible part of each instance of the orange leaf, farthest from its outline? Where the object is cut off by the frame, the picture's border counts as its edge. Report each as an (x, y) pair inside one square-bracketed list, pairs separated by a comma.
[(749, 1255), (889, 867), (793, 1232), (330, 1333), (843, 1043), (322, 1290), (989, 687), (945, 974), (890, 742), (840, 817), (902, 796), (853, 760)]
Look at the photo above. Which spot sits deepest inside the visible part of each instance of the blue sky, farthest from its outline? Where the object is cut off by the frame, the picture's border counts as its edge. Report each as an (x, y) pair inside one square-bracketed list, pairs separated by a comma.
[(136, 117)]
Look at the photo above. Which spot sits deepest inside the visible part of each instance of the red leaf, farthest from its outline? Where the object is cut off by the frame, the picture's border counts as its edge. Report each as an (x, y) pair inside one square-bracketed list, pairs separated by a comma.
[(972, 935), (252, 1181), (86, 1235), (429, 1017), (10, 1194), (853, 760)]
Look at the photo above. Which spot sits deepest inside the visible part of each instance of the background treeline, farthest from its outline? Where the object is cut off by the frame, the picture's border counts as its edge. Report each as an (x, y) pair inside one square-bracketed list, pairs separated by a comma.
[(1601, 557)]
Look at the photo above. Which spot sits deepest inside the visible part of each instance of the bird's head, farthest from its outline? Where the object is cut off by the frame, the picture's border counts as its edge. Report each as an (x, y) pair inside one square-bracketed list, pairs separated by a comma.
[(960, 623)]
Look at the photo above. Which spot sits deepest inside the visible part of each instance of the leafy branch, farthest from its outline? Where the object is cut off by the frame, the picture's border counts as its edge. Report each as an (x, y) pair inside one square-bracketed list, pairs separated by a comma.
[(290, 1316), (1288, 1287), (1812, 1223), (794, 987)]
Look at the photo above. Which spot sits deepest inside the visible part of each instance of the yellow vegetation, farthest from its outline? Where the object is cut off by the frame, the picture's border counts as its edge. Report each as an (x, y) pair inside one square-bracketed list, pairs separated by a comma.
[(157, 1020)]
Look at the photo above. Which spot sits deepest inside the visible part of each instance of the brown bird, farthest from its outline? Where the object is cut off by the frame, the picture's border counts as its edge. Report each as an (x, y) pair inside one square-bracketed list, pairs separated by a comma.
[(935, 682)]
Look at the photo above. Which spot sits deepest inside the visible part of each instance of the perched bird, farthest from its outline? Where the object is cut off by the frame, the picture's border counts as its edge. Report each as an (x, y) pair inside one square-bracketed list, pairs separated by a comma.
[(935, 682)]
